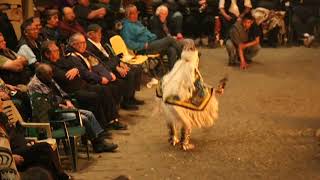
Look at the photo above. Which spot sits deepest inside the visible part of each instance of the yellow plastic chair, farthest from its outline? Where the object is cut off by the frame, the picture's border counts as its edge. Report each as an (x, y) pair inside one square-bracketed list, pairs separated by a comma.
[(119, 46)]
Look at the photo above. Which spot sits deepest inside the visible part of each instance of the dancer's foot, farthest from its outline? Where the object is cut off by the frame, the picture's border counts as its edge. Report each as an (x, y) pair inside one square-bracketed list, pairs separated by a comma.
[(185, 139), (188, 146), (174, 141)]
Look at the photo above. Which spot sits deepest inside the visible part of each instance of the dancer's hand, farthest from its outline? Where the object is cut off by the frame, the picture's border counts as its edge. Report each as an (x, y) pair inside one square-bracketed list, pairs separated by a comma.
[(243, 65)]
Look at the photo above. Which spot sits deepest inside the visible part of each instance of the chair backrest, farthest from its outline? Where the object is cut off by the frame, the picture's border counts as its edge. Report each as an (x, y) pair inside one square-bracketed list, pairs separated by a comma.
[(118, 45), (12, 112)]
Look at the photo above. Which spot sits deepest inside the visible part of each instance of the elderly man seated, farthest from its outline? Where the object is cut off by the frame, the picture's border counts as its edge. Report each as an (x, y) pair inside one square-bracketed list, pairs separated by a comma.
[(131, 76), (13, 67), (138, 38), (95, 98), (42, 83), (92, 70)]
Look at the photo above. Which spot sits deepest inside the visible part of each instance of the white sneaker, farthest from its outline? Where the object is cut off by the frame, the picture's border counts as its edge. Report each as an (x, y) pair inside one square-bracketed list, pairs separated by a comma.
[(308, 41), (153, 81)]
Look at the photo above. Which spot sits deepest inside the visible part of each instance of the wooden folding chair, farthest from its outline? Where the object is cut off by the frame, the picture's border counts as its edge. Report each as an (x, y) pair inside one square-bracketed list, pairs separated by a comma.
[(14, 117)]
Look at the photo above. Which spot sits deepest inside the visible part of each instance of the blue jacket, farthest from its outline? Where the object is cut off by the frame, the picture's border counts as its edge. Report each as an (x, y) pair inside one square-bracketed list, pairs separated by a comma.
[(136, 35)]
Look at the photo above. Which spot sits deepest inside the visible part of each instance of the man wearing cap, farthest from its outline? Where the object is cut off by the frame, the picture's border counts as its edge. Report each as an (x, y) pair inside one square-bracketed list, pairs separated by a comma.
[(96, 98), (132, 76), (92, 70)]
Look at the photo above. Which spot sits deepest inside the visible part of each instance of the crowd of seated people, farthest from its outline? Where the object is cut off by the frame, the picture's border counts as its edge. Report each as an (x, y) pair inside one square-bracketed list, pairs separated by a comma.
[(63, 49)]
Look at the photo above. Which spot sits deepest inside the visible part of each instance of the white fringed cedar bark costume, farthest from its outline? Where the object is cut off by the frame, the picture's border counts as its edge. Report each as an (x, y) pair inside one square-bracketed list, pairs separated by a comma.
[(186, 101)]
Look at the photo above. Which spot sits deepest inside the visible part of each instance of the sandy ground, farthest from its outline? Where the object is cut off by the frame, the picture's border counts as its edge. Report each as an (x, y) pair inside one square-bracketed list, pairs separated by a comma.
[(268, 117)]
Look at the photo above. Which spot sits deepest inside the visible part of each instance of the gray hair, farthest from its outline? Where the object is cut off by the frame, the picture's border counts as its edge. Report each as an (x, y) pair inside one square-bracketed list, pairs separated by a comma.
[(74, 38), (45, 46), (128, 8), (189, 45), (161, 8)]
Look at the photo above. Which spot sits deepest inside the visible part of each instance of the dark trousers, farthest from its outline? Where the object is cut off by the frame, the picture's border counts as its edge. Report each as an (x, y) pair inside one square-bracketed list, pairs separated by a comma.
[(199, 25), (301, 25), (226, 25), (41, 154), (131, 82), (99, 100), (168, 46)]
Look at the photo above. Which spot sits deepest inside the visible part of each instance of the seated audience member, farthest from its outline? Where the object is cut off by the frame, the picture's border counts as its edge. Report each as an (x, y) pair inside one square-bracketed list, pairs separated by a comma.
[(94, 72), (69, 25), (13, 67), (268, 4), (132, 77), (30, 155), (95, 98), (232, 11), (29, 47), (8, 169), (18, 94), (110, 13), (64, 3), (38, 25), (86, 15), (175, 17), (42, 83), (244, 42), (198, 17), (138, 38), (160, 28), (50, 29), (304, 19), (8, 31)]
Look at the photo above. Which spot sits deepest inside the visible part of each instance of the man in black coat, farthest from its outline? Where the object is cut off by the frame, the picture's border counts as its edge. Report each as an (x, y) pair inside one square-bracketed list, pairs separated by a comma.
[(96, 98), (92, 71), (131, 76)]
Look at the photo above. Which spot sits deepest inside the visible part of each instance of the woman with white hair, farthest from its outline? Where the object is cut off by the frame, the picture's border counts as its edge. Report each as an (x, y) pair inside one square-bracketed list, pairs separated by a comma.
[(186, 100), (159, 24)]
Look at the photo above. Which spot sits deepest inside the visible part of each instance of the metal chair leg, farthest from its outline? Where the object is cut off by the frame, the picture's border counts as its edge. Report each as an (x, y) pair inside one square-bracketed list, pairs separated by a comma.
[(84, 140), (74, 154)]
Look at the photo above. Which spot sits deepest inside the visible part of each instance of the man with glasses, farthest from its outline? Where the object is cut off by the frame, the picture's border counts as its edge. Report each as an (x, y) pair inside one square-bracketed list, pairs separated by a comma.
[(131, 75), (29, 47), (95, 98)]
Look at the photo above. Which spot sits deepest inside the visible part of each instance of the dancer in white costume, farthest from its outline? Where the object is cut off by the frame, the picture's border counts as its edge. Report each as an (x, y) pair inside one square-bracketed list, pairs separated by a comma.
[(186, 101)]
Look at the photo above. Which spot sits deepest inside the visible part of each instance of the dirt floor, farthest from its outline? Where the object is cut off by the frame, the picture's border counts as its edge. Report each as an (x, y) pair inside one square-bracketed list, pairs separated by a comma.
[(269, 115)]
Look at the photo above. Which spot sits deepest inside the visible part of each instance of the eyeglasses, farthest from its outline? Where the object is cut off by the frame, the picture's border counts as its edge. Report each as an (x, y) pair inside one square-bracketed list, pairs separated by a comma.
[(81, 42), (134, 12), (55, 50), (32, 29)]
